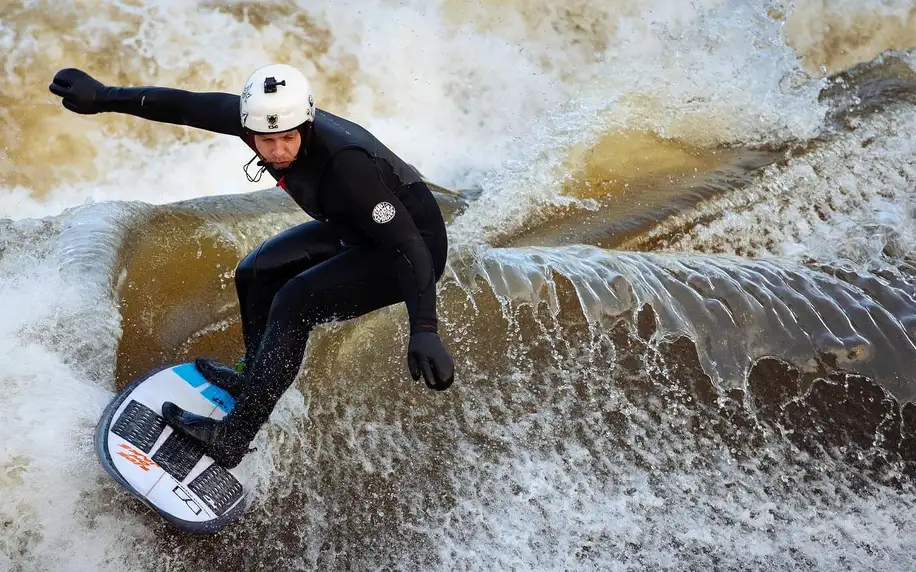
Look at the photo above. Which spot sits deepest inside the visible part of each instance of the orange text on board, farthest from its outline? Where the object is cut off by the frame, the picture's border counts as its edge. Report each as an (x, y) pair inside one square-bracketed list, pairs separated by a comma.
[(137, 457)]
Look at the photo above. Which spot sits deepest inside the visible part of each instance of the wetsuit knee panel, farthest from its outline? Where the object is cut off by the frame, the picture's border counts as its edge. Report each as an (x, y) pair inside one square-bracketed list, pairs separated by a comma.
[(247, 267)]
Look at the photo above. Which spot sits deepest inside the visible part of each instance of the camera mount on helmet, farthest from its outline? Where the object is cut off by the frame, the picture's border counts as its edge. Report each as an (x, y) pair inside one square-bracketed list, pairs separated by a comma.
[(271, 83)]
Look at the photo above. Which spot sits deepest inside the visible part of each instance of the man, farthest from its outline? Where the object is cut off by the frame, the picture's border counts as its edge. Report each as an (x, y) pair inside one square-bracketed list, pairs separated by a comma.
[(378, 237)]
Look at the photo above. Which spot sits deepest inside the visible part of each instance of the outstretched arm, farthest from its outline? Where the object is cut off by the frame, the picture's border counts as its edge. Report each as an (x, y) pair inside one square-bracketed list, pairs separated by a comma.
[(210, 111), (216, 112)]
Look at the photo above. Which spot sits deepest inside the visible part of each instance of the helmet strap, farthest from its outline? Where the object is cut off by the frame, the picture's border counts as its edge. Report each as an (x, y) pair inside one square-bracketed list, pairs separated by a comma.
[(257, 176)]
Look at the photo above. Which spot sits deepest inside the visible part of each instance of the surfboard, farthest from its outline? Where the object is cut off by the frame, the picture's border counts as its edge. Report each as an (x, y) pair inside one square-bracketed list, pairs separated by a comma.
[(166, 469)]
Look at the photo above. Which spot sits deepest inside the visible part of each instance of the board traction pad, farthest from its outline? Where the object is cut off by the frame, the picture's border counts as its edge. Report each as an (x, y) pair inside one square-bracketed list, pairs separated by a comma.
[(141, 427), (218, 487), (178, 455)]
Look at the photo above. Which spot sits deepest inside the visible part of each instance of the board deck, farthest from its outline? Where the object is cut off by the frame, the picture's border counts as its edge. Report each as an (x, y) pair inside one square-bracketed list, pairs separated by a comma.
[(166, 469)]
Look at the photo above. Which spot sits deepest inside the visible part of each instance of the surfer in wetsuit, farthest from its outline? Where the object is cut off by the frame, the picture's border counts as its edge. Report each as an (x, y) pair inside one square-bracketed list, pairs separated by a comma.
[(378, 237)]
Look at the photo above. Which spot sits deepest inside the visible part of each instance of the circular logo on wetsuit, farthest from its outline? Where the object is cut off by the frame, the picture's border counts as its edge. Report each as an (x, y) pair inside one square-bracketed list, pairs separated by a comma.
[(383, 212)]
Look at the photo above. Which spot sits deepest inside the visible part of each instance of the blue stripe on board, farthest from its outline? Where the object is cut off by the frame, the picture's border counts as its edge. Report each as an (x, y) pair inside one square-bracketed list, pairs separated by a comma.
[(219, 397), (215, 395), (189, 373)]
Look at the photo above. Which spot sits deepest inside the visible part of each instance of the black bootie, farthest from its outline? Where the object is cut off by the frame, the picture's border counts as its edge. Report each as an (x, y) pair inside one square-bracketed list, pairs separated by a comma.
[(222, 376)]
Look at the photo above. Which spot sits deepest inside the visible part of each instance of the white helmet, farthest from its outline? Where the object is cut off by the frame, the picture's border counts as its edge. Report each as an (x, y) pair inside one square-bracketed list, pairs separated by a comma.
[(276, 98)]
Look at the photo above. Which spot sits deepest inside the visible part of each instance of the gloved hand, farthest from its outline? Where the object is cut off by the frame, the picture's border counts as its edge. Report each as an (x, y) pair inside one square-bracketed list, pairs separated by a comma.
[(427, 355), (81, 92)]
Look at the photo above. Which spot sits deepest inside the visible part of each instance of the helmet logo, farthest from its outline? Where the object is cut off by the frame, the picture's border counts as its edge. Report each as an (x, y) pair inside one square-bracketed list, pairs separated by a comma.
[(272, 122), (246, 93)]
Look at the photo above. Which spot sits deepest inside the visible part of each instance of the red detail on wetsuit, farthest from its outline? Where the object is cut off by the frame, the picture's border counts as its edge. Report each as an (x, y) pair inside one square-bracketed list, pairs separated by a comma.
[(282, 182)]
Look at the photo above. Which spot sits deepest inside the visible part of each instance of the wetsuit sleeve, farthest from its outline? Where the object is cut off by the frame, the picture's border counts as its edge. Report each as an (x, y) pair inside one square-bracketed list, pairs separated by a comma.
[(353, 191), (210, 111)]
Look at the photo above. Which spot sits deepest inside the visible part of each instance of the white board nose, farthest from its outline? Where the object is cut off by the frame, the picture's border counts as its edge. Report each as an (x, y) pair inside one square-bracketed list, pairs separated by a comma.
[(165, 469)]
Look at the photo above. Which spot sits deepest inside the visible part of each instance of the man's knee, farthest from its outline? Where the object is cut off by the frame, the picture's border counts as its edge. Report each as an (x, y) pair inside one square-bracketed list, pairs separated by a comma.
[(247, 268)]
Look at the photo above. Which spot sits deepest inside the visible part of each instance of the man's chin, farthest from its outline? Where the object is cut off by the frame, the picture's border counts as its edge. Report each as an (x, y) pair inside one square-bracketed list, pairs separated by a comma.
[(284, 165)]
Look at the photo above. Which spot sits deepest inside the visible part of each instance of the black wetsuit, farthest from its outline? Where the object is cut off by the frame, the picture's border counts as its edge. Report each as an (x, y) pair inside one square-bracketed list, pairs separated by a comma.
[(378, 238), (341, 175)]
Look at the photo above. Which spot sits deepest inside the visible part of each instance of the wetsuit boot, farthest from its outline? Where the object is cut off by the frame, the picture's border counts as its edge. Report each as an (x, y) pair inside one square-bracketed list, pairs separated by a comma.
[(270, 374), (220, 442), (222, 376)]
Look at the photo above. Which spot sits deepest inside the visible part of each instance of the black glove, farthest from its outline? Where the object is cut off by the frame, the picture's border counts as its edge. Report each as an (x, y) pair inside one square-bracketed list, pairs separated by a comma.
[(81, 92), (426, 354)]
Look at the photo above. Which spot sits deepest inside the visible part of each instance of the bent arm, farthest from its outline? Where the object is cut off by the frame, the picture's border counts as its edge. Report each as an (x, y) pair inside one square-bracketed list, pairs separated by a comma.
[(359, 196), (210, 111)]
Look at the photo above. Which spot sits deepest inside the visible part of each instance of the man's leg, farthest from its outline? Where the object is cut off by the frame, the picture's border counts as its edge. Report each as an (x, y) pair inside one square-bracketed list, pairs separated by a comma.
[(355, 282), (258, 277), (265, 270)]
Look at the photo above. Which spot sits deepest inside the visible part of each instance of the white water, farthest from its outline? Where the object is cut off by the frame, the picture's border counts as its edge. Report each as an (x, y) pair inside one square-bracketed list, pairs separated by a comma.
[(469, 102), (49, 484)]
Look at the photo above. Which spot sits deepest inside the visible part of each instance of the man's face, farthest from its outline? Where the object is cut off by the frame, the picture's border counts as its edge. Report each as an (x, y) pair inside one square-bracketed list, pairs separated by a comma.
[(279, 149)]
